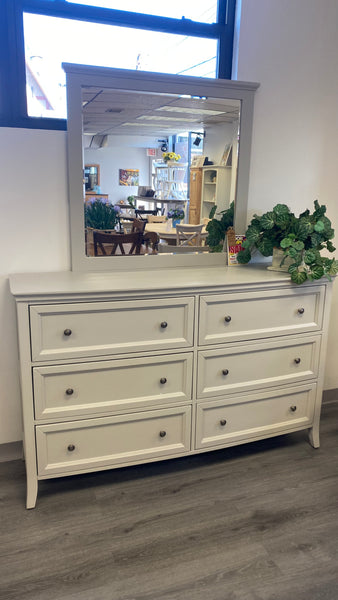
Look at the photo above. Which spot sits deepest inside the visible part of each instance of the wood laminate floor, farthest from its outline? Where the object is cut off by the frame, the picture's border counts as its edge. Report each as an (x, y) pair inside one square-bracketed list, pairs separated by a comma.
[(254, 522)]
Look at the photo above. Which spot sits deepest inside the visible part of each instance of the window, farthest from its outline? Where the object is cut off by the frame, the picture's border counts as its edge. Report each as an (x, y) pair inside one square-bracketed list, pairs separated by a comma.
[(36, 36)]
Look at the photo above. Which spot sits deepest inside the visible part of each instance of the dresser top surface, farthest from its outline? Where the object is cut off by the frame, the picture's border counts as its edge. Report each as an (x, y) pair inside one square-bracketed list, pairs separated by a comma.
[(183, 279)]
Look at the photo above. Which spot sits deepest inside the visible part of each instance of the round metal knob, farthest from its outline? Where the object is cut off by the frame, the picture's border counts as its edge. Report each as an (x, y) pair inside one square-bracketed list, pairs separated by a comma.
[(227, 319), (293, 408), (225, 371), (163, 433), (297, 361), (223, 422), (301, 311), (163, 380), (67, 332), (69, 391), (164, 324), (71, 447)]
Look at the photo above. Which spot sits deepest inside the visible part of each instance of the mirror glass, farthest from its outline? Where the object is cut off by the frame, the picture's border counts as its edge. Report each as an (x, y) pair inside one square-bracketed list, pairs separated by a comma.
[(152, 162)]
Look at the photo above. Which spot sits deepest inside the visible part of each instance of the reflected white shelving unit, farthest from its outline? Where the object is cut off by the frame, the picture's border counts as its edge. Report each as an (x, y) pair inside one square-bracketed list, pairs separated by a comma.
[(216, 187), (169, 183)]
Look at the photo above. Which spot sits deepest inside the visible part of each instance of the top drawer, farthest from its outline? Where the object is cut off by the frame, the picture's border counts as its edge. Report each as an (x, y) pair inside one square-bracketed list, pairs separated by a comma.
[(253, 315), (102, 328)]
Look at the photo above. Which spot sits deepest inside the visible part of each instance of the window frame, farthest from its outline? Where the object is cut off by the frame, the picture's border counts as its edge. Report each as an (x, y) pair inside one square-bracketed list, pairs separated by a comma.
[(13, 106)]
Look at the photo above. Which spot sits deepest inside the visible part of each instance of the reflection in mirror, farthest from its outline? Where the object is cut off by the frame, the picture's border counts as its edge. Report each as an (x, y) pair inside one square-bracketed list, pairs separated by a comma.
[(153, 161)]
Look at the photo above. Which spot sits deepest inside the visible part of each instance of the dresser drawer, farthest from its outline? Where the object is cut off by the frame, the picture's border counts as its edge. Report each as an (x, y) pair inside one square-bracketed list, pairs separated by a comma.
[(94, 443), (253, 315), (260, 415), (101, 328), (247, 367), (97, 387)]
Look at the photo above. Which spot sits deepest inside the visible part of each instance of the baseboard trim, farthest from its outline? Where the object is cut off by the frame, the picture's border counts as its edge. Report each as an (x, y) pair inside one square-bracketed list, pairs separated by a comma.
[(330, 396), (11, 451)]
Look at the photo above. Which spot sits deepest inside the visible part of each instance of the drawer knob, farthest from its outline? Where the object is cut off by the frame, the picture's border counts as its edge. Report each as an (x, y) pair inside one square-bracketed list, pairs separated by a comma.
[(67, 332), (293, 408), (297, 361), (223, 422), (163, 433), (164, 324), (71, 447), (225, 371), (69, 391), (301, 311), (227, 319), (163, 380)]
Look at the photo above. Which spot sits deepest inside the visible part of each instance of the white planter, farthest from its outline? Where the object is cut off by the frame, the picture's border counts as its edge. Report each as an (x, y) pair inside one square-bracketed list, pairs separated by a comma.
[(277, 257)]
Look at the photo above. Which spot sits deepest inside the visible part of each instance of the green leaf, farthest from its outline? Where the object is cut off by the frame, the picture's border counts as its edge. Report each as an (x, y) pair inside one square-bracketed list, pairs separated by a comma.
[(252, 234), (319, 226), (330, 246), (265, 246), (244, 256), (317, 272), (298, 277), (286, 242), (310, 256), (334, 268), (267, 220)]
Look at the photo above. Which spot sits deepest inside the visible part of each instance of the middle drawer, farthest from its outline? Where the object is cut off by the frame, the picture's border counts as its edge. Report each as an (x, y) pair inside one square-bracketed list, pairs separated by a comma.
[(252, 366), (112, 385)]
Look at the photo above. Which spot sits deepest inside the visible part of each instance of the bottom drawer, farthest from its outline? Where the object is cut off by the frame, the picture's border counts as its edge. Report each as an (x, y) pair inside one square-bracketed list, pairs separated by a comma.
[(93, 443), (259, 415)]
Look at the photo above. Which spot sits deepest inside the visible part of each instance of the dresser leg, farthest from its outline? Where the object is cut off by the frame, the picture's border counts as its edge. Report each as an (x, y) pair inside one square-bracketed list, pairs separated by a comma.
[(314, 436), (32, 492)]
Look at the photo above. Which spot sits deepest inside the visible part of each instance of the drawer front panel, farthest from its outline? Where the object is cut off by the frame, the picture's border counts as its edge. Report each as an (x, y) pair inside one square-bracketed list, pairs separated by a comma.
[(97, 387), (254, 315), (95, 443), (101, 328), (264, 414), (255, 366)]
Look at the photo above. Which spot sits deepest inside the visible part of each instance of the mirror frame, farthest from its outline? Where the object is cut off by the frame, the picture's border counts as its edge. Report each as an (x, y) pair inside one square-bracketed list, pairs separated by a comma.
[(79, 76)]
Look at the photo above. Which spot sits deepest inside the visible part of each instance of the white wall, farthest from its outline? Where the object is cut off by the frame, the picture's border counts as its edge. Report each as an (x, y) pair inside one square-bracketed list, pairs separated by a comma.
[(34, 237), (291, 48), (120, 153)]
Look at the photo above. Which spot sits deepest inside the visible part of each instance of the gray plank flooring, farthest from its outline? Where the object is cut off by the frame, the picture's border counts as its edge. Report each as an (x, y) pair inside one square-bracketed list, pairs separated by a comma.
[(254, 522)]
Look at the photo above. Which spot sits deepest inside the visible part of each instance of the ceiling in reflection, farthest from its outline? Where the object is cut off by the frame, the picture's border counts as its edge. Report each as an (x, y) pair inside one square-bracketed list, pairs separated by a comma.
[(119, 112)]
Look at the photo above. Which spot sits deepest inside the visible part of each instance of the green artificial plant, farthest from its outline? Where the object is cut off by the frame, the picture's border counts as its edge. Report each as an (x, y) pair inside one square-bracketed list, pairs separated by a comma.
[(217, 228), (301, 238)]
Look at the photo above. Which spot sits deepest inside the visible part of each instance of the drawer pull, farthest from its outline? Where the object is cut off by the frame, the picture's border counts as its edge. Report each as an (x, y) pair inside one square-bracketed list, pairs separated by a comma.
[(163, 380), (67, 332), (223, 422), (225, 371), (297, 361), (227, 319), (293, 408), (301, 311), (69, 391), (164, 324), (163, 433), (71, 447)]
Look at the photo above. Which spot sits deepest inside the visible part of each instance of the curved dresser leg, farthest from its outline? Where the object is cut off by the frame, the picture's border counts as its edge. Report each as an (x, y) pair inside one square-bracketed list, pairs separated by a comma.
[(32, 492), (314, 436)]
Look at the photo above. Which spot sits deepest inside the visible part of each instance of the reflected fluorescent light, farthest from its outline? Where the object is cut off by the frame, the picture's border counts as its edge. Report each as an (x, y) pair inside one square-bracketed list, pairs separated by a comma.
[(158, 118), (192, 111)]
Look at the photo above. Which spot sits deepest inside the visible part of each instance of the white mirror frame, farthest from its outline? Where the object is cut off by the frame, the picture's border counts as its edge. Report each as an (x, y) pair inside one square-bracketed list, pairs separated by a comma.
[(79, 76)]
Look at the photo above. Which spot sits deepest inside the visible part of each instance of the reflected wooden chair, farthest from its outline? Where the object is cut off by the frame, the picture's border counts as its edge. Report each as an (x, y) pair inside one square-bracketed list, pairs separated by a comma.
[(109, 243), (189, 235), (149, 238)]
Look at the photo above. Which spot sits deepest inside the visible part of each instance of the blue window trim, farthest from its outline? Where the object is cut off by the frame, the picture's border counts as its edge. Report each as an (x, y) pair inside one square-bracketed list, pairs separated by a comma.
[(13, 107)]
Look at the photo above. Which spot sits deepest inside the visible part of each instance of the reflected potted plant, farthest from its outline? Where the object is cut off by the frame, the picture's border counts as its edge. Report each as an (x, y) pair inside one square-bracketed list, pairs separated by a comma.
[(294, 242), (176, 214), (218, 227), (101, 215)]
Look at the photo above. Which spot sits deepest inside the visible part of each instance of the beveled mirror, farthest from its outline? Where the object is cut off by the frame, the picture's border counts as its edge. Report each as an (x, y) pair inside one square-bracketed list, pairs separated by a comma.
[(126, 123)]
